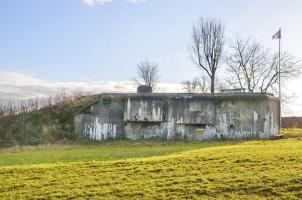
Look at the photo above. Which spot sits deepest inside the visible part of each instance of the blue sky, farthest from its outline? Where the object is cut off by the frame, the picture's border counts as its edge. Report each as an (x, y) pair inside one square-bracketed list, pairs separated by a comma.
[(78, 41), (67, 40)]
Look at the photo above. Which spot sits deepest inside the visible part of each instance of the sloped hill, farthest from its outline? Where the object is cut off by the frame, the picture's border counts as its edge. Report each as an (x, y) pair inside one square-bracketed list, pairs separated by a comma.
[(245, 170), (47, 125)]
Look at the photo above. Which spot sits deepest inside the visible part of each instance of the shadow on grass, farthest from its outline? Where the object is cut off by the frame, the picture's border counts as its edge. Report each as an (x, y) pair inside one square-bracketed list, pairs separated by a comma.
[(101, 151)]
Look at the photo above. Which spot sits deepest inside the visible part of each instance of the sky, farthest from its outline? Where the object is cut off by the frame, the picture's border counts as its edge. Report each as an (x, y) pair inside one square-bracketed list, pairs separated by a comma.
[(47, 46)]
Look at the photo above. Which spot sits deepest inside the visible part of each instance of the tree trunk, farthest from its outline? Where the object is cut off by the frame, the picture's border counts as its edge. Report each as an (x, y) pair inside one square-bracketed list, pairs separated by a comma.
[(213, 84)]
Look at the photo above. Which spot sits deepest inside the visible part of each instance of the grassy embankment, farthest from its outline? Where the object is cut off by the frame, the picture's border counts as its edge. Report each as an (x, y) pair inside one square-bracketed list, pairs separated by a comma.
[(48, 125), (148, 170)]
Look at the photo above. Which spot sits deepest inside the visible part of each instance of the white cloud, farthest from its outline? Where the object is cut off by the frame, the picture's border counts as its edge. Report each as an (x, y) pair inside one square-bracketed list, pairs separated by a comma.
[(103, 2), (18, 86), (136, 1), (96, 2)]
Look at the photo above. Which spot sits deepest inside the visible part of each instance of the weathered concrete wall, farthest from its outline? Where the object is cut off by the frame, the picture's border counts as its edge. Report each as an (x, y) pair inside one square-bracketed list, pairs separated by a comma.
[(102, 121), (180, 116)]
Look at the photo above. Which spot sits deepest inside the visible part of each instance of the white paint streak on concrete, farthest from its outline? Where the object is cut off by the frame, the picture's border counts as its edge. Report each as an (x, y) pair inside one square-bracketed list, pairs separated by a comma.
[(223, 126), (100, 131), (159, 115), (272, 124), (266, 127), (114, 131), (180, 128), (255, 119), (169, 127), (128, 109), (154, 113)]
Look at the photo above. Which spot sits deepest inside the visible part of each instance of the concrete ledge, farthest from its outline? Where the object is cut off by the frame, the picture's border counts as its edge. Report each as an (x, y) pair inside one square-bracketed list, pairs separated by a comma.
[(278, 136)]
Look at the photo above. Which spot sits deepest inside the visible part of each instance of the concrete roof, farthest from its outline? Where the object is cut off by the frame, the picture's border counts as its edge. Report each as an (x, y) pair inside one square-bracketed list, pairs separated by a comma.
[(201, 96)]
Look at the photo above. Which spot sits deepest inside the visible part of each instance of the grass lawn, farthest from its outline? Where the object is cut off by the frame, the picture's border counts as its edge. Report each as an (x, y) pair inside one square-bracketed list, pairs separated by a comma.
[(105, 151), (155, 170)]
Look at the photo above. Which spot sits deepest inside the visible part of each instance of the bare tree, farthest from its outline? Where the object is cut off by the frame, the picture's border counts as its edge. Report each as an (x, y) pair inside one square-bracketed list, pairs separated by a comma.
[(147, 73), (190, 86), (197, 85), (203, 84), (255, 69), (246, 63), (289, 68), (207, 42)]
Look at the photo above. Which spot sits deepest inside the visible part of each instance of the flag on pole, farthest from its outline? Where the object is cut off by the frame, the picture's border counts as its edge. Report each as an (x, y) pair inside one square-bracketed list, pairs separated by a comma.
[(277, 35)]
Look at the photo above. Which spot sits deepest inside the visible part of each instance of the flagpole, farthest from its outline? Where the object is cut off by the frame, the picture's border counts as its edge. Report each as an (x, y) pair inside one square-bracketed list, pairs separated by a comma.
[(279, 77)]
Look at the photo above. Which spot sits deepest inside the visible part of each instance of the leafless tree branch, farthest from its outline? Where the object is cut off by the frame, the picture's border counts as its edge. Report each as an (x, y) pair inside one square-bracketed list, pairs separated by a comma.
[(147, 74), (207, 42), (197, 85), (255, 69)]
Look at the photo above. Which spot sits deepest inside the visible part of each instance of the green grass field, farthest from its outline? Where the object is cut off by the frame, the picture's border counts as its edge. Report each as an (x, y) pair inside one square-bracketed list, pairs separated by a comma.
[(155, 170)]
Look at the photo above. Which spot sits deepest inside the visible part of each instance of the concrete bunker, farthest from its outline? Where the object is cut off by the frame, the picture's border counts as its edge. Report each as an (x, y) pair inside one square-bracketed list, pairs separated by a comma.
[(168, 116)]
